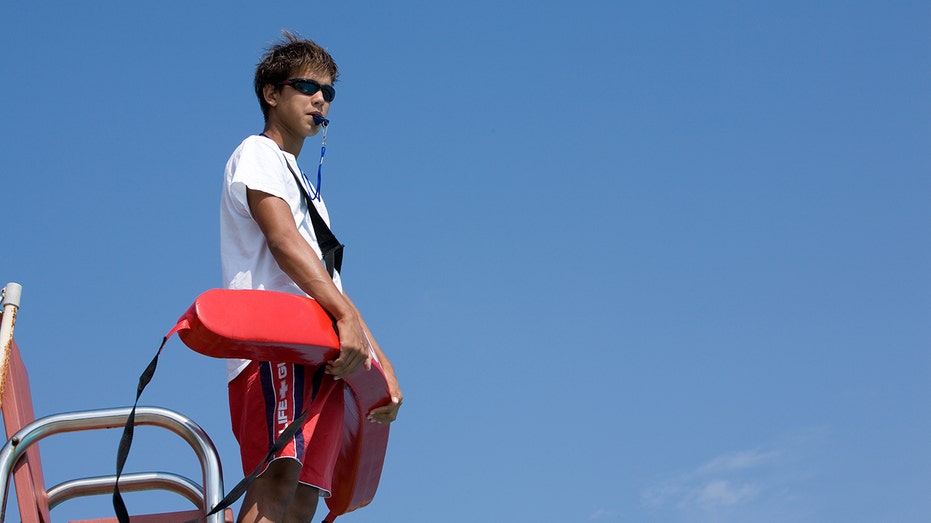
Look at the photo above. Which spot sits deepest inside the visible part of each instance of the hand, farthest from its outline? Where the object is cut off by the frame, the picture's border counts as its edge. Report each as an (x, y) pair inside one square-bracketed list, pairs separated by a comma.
[(354, 350), (389, 412)]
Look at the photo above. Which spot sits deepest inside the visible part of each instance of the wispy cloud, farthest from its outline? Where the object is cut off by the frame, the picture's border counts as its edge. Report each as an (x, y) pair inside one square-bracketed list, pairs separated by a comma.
[(722, 493), (768, 482), (604, 514), (725, 481), (737, 461)]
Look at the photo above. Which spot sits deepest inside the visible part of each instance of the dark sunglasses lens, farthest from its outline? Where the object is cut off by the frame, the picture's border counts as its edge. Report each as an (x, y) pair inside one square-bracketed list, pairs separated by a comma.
[(309, 87), (306, 86)]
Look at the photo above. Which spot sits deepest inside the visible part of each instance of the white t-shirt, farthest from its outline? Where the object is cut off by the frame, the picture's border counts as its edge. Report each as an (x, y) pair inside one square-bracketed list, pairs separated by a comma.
[(259, 164)]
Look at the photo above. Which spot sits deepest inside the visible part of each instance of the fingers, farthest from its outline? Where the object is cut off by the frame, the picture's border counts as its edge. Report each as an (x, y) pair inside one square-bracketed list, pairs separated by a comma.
[(387, 413), (355, 351), (349, 361)]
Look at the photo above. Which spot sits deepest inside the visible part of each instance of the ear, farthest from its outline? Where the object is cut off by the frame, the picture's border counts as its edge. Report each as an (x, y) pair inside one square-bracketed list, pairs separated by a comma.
[(271, 95)]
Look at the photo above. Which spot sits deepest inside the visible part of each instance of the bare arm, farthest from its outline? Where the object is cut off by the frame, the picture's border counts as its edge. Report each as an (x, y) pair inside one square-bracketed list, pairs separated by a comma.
[(299, 261), (387, 413)]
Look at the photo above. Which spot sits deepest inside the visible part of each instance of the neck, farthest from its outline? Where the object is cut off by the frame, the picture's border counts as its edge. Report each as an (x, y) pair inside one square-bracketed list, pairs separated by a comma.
[(287, 142)]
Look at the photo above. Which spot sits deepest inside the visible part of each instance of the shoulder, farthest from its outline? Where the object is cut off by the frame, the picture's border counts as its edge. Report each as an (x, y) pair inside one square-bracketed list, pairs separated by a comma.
[(259, 164), (256, 156), (259, 147)]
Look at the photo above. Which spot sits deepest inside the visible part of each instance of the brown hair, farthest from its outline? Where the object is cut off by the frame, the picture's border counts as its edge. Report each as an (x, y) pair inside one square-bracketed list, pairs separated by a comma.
[(285, 58)]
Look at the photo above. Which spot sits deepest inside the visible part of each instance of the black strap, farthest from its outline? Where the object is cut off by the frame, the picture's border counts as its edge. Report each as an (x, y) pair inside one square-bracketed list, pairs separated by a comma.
[(119, 506), (126, 440), (333, 260), (330, 247), (286, 435)]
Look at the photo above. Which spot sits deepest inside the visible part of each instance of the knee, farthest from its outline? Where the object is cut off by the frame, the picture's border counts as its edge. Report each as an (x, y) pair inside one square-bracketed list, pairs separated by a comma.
[(282, 472), (270, 495), (303, 506)]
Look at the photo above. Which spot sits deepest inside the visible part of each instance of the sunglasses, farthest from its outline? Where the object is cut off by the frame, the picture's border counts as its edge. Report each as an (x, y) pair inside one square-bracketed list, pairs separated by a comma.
[(310, 87)]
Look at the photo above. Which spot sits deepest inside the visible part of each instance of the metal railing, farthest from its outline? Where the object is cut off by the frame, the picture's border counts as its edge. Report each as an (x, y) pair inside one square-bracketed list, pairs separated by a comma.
[(205, 497)]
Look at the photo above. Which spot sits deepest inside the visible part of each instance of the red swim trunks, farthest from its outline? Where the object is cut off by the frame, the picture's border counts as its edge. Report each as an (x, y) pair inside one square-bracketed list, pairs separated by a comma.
[(267, 396)]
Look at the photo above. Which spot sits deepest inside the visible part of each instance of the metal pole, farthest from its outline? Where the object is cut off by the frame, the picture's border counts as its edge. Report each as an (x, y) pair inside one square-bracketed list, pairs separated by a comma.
[(181, 425), (10, 298)]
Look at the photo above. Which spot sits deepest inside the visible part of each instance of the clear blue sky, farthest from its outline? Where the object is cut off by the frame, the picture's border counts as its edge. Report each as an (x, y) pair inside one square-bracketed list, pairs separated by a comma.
[(634, 261)]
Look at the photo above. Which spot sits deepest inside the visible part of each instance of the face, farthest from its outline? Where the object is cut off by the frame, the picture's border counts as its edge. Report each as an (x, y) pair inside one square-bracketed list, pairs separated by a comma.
[(292, 110)]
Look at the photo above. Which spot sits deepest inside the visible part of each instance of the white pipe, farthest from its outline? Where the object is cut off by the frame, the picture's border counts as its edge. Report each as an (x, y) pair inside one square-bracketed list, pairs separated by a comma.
[(11, 298), (12, 294)]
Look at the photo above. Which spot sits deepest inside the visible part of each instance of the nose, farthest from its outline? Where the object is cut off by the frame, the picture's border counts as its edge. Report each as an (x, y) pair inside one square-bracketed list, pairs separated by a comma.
[(317, 98)]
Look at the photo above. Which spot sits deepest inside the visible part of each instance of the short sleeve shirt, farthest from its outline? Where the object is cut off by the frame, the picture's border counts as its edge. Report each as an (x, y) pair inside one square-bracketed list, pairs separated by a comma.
[(259, 164)]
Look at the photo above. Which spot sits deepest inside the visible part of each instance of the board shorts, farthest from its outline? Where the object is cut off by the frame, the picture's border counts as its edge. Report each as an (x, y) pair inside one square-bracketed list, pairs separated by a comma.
[(267, 396)]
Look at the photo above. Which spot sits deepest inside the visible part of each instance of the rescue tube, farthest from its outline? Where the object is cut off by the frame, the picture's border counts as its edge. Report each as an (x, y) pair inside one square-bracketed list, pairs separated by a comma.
[(277, 326)]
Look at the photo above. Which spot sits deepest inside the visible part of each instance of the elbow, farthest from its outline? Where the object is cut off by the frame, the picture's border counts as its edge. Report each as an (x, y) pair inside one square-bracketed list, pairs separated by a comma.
[(276, 245), (281, 249)]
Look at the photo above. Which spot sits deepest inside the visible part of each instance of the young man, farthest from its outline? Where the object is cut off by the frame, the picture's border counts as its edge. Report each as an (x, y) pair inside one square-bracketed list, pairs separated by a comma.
[(268, 242)]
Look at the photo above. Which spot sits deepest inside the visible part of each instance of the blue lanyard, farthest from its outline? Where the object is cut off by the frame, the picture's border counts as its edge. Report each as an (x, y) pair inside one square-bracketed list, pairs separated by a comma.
[(319, 165), (314, 191)]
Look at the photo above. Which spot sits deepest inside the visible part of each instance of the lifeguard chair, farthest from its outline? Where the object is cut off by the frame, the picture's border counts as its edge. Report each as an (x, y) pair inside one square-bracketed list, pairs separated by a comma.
[(19, 456)]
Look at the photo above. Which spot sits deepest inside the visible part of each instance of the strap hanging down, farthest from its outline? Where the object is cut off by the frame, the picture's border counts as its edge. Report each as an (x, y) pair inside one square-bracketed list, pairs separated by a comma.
[(333, 260), (331, 248), (126, 441)]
